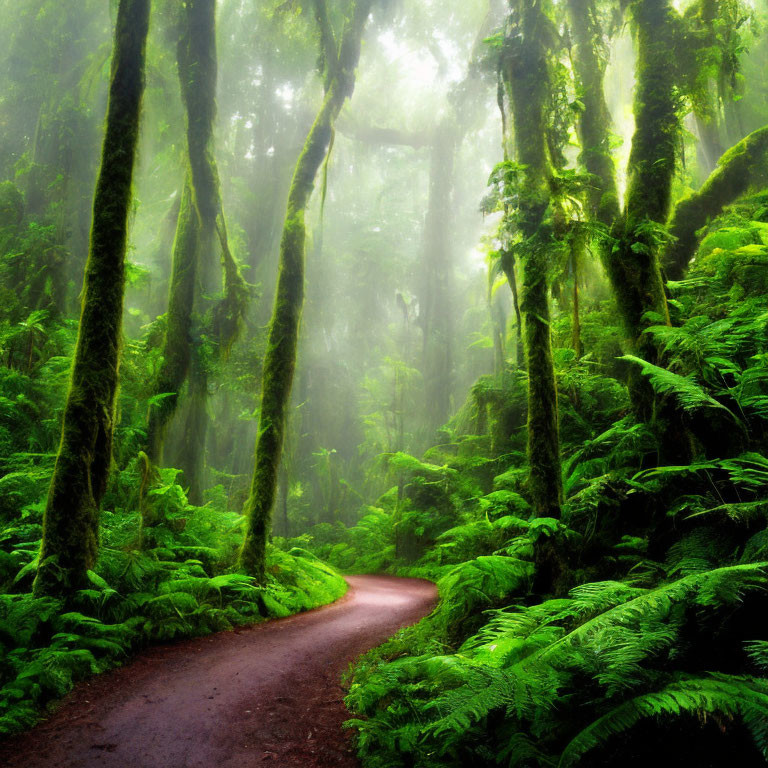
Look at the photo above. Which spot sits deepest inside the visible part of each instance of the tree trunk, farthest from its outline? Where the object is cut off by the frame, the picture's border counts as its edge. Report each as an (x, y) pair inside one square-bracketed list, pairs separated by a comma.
[(201, 229), (527, 75), (741, 167), (576, 330), (191, 451), (594, 119), (508, 266), (435, 301), (633, 264), (70, 524), (280, 358), (178, 334)]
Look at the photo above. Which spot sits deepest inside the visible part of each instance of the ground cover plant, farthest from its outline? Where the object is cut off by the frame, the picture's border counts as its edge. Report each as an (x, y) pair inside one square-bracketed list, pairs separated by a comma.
[(473, 291)]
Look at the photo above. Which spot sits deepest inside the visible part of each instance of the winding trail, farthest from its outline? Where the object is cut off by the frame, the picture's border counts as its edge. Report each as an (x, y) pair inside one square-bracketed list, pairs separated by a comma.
[(267, 695)]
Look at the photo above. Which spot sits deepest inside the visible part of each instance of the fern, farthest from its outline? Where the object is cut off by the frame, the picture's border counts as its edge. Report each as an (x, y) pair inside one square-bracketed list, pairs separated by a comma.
[(684, 389), (480, 583), (730, 696)]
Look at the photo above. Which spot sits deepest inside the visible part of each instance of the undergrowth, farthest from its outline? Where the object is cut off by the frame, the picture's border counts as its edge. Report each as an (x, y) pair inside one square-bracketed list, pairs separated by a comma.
[(634, 620), (180, 584)]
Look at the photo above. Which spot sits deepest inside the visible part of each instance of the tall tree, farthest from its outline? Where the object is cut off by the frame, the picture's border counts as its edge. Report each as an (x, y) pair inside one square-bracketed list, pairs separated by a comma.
[(70, 524), (201, 229), (633, 263), (589, 57), (632, 254), (340, 62), (177, 344), (525, 70), (436, 291)]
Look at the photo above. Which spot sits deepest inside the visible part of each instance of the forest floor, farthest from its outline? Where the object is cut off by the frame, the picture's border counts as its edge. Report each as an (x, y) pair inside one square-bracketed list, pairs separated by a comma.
[(267, 695)]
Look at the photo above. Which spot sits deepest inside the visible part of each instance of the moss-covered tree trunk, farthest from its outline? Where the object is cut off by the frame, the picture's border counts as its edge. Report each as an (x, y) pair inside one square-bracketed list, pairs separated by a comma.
[(509, 267), (190, 449), (526, 72), (743, 166), (201, 231), (198, 68), (632, 260), (280, 358), (594, 119), (436, 294), (70, 524), (177, 343), (633, 264)]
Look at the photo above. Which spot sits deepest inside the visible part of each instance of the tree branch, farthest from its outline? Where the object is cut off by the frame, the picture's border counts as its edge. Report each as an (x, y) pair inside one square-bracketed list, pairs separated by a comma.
[(328, 46), (741, 167), (372, 134)]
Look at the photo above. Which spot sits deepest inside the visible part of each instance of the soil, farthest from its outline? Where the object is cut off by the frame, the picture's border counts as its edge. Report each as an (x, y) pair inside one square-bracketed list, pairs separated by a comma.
[(267, 695)]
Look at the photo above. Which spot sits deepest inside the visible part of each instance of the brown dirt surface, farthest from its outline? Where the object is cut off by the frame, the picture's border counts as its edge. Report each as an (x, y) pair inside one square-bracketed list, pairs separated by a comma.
[(267, 695)]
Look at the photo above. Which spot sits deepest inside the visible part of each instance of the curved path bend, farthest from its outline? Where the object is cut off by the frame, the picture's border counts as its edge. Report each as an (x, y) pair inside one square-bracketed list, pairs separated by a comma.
[(267, 695)]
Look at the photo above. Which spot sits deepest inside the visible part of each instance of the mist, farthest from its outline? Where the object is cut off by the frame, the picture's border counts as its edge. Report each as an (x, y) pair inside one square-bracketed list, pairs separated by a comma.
[(303, 294)]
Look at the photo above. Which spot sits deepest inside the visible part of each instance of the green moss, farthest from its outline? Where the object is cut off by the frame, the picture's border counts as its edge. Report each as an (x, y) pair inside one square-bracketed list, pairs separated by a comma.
[(527, 75), (201, 226), (594, 118), (70, 527), (741, 167), (196, 56), (633, 264), (197, 60), (176, 346), (545, 481), (277, 380), (191, 452), (280, 358)]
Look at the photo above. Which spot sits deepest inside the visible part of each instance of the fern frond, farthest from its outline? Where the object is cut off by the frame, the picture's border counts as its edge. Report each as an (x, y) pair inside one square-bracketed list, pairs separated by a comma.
[(715, 588), (732, 696), (683, 388)]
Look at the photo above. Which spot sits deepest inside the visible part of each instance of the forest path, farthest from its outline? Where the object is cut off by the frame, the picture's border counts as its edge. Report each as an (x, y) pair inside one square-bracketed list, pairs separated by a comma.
[(267, 695)]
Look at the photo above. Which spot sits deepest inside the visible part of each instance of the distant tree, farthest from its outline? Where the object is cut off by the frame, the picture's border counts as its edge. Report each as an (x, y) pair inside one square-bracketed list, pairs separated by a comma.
[(200, 231)]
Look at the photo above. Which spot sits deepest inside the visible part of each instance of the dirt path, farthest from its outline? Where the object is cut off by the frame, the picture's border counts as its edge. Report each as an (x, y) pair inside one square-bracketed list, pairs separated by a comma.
[(268, 695)]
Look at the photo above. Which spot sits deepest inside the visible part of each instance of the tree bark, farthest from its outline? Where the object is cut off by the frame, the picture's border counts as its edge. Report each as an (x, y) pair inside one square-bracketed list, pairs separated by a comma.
[(71, 520), (280, 358), (436, 294), (594, 117), (178, 334), (527, 75), (201, 229), (743, 166), (633, 263)]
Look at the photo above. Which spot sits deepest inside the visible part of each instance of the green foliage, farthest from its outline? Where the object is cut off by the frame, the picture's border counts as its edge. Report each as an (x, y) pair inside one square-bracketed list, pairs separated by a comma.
[(633, 620), (658, 556), (180, 585), (687, 392), (567, 676)]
